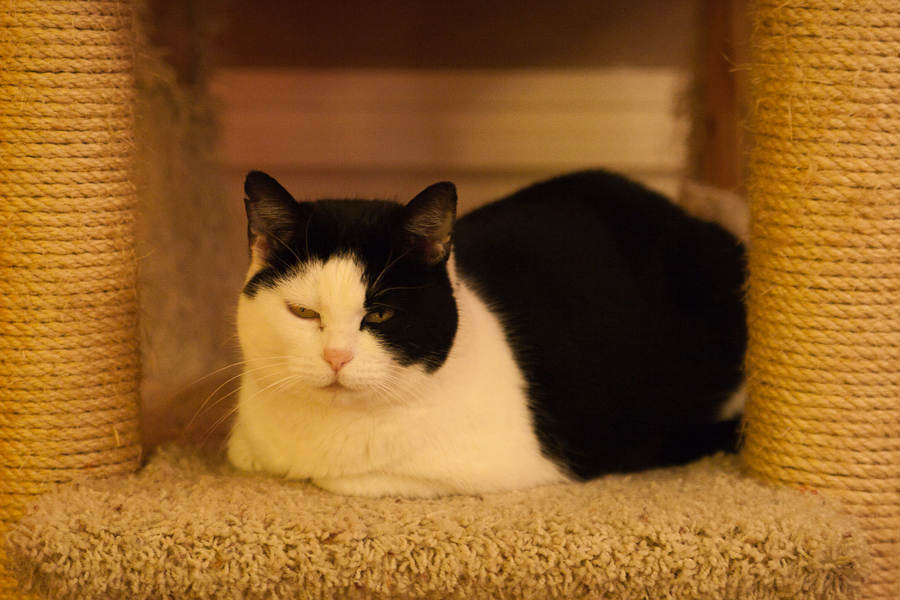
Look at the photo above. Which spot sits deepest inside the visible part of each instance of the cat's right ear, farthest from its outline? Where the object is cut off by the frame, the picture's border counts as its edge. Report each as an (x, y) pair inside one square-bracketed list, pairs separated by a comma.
[(273, 216)]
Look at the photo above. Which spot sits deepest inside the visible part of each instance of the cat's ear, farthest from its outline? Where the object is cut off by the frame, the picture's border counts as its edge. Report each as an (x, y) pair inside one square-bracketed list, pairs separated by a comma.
[(273, 215), (427, 222)]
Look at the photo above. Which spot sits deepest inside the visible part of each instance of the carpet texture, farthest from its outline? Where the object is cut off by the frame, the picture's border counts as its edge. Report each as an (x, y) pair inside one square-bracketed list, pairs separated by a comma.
[(189, 527)]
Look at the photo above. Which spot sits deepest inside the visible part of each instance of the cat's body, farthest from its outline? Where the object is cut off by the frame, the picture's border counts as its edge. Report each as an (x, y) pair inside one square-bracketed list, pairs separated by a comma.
[(581, 326)]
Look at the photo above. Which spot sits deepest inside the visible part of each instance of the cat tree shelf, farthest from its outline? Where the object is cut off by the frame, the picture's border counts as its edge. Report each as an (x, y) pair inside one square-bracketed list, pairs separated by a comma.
[(190, 527)]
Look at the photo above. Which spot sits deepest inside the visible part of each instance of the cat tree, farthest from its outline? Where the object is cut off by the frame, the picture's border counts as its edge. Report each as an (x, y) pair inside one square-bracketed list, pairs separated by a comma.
[(823, 363), (824, 415), (68, 311)]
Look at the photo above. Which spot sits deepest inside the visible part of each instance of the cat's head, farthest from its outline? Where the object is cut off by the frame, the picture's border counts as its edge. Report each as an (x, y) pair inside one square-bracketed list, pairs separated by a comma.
[(347, 297)]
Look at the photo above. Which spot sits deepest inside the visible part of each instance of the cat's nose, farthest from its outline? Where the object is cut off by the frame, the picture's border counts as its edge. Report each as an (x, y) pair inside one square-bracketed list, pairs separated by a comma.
[(338, 357)]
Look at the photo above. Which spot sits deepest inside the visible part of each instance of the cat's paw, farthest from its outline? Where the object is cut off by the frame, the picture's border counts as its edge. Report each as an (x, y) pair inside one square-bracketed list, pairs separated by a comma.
[(380, 485), (240, 455)]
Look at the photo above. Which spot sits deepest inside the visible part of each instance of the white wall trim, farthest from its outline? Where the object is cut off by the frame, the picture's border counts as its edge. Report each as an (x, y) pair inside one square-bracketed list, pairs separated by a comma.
[(479, 121)]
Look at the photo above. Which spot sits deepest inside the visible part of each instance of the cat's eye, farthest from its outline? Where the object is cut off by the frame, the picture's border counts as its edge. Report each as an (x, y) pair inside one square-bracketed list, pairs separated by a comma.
[(303, 312), (379, 315)]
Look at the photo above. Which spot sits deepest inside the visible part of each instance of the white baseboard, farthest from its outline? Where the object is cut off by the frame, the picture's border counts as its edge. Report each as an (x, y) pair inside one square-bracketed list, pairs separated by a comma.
[(440, 124)]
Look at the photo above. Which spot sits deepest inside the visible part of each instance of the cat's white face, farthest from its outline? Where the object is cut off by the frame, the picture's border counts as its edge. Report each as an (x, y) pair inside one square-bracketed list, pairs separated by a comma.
[(347, 302), (307, 334)]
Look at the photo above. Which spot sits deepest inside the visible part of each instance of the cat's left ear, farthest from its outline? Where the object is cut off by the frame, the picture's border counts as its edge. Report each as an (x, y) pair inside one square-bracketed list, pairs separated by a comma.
[(427, 222)]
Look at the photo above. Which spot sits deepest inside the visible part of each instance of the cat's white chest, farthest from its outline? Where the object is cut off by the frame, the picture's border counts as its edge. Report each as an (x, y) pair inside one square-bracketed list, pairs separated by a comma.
[(295, 438)]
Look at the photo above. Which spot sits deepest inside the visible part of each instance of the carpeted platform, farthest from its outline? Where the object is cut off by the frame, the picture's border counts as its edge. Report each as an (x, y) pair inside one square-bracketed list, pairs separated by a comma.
[(189, 527)]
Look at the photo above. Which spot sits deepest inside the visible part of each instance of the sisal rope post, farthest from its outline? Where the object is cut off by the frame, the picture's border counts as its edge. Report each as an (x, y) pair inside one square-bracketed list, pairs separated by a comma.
[(824, 263), (68, 312)]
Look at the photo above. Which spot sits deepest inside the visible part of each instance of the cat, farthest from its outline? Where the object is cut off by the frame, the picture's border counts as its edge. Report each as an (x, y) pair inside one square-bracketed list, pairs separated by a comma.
[(581, 326)]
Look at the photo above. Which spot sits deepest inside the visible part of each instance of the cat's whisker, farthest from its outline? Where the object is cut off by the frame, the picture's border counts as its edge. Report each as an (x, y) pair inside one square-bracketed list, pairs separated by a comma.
[(243, 363), (203, 407), (283, 361), (269, 391), (398, 390), (232, 365), (227, 341), (374, 284), (398, 375), (306, 236), (206, 406), (286, 246), (387, 398), (219, 422), (391, 393), (188, 386), (399, 287), (281, 384), (390, 263)]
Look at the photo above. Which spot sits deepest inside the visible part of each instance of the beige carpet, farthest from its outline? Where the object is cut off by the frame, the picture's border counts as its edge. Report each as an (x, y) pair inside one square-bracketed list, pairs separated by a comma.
[(188, 527)]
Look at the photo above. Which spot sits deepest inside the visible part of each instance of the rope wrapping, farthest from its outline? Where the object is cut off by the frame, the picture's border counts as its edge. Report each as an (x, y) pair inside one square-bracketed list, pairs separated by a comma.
[(823, 362), (69, 362), (823, 291)]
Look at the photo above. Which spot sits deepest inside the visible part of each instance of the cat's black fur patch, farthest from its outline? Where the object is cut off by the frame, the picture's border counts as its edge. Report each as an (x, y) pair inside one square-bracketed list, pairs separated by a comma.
[(625, 314)]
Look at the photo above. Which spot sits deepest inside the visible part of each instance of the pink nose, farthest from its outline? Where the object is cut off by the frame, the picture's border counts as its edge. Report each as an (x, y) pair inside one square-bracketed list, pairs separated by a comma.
[(338, 357)]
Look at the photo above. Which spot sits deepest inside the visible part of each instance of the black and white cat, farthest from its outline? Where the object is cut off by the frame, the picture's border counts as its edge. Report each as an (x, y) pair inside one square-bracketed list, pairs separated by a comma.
[(581, 326)]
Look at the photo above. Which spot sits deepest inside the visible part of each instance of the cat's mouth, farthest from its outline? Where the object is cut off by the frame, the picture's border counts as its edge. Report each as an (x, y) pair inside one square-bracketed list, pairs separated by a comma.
[(336, 386), (339, 393)]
